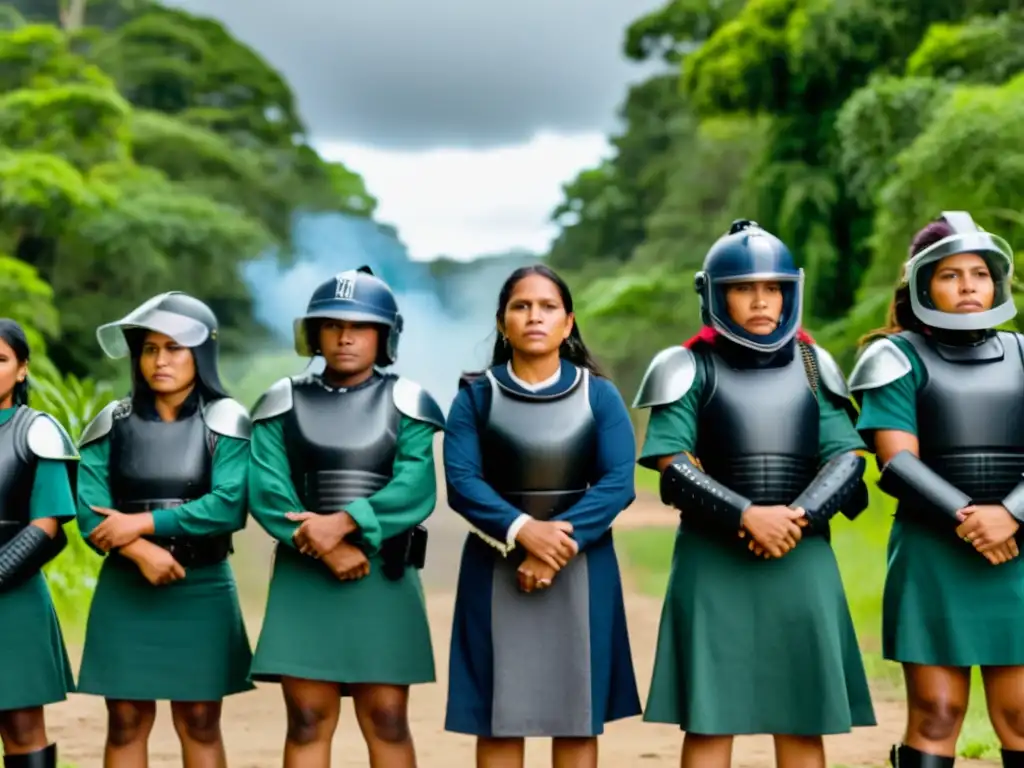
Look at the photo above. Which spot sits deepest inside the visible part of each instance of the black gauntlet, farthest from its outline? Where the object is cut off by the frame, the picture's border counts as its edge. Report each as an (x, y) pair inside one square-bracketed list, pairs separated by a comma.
[(688, 489), (25, 554), (910, 480), (832, 490)]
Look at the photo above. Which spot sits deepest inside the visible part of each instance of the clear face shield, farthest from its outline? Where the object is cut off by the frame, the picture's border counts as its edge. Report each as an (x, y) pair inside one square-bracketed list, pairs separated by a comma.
[(998, 257), (184, 330)]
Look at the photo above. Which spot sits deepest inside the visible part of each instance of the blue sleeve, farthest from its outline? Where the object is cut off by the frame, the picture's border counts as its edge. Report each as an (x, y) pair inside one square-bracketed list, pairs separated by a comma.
[(468, 492), (613, 488)]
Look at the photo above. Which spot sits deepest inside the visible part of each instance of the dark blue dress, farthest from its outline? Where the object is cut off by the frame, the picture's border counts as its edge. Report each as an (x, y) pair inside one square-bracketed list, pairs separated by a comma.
[(558, 663)]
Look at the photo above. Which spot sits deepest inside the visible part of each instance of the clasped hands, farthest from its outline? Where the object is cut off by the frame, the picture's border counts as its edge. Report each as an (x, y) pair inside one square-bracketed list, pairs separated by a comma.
[(773, 530), (990, 529), (124, 532), (549, 546), (323, 537)]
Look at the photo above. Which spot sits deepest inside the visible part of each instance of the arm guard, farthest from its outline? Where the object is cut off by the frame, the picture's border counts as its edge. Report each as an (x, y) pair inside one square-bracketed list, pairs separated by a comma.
[(830, 490), (911, 480), (686, 488), (24, 555), (1014, 502)]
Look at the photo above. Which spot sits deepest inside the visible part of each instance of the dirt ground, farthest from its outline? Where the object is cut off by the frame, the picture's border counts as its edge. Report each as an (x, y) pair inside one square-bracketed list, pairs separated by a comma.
[(254, 722)]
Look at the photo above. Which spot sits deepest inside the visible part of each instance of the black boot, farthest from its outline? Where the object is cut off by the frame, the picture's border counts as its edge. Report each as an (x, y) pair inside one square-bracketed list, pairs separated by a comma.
[(1013, 758), (41, 758), (908, 757)]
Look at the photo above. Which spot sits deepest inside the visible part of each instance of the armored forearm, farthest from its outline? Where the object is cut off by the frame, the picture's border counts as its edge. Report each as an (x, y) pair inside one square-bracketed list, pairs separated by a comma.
[(687, 488), (27, 553), (833, 488), (910, 480), (1014, 502)]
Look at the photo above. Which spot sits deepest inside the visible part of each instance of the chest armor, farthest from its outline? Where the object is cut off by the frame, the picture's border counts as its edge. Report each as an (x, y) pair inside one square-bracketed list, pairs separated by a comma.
[(17, 474), (159, 464), (758, 430), (539, 451), (341, 444), (970, 414)]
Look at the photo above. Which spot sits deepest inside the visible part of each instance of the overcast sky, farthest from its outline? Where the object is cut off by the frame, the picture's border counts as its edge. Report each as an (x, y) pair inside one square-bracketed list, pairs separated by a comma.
[(464, 116)]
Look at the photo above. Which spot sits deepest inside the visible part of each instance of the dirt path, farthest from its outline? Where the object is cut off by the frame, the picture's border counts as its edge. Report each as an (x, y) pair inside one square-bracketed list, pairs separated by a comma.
[(254, 722)]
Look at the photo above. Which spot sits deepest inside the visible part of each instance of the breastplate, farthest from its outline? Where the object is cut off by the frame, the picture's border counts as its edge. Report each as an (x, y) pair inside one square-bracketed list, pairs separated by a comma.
[(758, 430), (539, 451), (17, 474), (155, 464), (341, 444), (970, 414)]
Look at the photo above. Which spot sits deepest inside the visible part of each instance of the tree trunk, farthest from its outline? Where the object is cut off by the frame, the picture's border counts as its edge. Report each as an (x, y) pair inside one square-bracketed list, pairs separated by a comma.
[(72, 14)]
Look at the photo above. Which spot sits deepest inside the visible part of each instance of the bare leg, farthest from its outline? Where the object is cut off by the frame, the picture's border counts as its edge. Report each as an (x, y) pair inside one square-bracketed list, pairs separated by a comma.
[(799, 752), (1004, 694), (383, 715), (574, 753), (937, 700), (197, 724), (701, 751), (129, 724), (500, 753), (23, 730), (313, 709)]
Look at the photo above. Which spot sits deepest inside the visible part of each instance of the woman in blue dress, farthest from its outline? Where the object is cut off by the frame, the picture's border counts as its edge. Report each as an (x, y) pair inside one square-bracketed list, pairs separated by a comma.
[(538, 458)]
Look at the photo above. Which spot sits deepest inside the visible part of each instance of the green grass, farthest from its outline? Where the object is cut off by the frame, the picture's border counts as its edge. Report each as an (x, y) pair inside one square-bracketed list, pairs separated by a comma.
[(861, 551)]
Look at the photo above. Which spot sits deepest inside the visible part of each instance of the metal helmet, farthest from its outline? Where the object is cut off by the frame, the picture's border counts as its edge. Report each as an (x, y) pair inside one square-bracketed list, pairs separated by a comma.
[(184, 318), (749, 253), (356, 295), (967, 237)]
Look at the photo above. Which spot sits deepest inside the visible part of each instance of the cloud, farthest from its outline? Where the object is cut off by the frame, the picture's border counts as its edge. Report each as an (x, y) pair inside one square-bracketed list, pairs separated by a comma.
[(464, 203), (427, 73)]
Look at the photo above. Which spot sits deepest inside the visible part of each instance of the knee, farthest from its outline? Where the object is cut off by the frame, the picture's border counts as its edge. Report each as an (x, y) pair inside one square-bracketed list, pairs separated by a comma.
[(129, 722), (307, 724), (198, 721), (390, 723), (22, 729), (938, 716), (1009, 721)]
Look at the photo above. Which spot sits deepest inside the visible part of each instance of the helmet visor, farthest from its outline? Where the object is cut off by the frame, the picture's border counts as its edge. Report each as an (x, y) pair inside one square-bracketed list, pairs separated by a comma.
[(185, 330), (789, 322), (998, 256)]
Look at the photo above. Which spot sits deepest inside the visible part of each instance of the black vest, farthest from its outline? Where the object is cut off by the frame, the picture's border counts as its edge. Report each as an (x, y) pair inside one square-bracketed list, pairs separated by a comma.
[(539, 451), (17, 473), (970, 413), (341, 443), (159, 464), (757, 430)]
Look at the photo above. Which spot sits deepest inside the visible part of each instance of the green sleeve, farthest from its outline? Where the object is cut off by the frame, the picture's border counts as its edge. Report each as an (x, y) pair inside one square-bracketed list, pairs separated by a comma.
[(93, 471), (836, 432), (51, 492), (672, 428), (893, 406), (220, 511), (410, 495), (271, 492)]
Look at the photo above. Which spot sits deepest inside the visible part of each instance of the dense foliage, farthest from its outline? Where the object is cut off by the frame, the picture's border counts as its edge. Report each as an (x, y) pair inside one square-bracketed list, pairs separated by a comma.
[(841, 125)]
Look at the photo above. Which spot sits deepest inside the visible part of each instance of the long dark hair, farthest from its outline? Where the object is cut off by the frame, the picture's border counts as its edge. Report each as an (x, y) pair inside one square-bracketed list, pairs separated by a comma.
[(572, 349), (14, 335), (901, 314)]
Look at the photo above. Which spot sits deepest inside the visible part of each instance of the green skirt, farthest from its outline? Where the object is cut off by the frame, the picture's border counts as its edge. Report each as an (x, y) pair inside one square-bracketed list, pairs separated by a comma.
[(34, 667), (944, 604), (749, 646), (319, 628), (183, 641)]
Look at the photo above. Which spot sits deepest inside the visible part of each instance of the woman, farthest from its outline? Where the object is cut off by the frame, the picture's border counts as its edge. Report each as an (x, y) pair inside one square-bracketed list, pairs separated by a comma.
[(342, 476), (162, 489), (751, 432), (38, 462), (539, 459), (942, 406)]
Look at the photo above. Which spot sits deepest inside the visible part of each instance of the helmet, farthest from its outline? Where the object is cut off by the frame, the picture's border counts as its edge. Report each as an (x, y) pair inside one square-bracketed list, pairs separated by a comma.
[(357, 295), (967, 237), (749, 253), (184, 318)]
